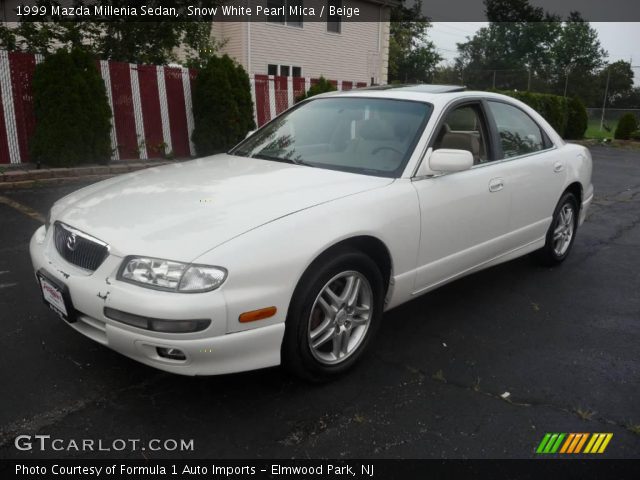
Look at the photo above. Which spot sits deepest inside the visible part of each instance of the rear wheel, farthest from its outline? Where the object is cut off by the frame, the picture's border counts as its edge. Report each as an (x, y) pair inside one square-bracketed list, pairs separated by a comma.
[(335, 312), (561, 233)]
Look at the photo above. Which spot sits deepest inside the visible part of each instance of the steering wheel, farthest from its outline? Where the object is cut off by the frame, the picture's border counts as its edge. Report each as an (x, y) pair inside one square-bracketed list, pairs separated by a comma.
[(375, 151)]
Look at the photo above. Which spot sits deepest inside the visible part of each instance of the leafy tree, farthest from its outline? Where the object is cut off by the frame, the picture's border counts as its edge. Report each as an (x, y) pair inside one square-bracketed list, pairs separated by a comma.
[(517, 41), (72, 112), (577, 56), (627, 125), (7, 38), (222, 107), (628, 99), (525, 47), (447, 74), (412, 57), (120, 39), (620, 80)]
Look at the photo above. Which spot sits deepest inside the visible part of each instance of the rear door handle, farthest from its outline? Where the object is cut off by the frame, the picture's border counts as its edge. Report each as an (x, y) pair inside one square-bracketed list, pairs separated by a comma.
[(558, 167), (496, 184)]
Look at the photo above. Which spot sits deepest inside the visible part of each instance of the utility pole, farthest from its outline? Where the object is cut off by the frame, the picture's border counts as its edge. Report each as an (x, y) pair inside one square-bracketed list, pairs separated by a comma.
[(529, 80), (604, 101), (494, 79), (566, 82)]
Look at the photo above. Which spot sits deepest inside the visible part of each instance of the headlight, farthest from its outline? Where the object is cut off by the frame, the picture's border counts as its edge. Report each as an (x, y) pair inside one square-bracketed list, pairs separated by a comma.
[(171, 276)]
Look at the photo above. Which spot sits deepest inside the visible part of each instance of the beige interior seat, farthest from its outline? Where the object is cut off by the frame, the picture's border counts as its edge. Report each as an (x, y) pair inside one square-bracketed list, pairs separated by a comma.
[(462, 141)]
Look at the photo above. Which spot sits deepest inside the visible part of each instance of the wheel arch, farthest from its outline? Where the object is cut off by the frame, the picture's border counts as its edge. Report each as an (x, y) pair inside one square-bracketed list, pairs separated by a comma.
[(576, 189), (370, 245)]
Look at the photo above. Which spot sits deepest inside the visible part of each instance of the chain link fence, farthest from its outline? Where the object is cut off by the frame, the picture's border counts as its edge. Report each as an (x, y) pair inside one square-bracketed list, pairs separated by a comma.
[(605, 125)]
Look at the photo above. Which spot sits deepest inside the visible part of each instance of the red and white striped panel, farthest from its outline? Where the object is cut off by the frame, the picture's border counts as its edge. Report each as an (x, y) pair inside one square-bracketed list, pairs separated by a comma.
[(272, 95), (9, 144), (151, 105), (106, 77)]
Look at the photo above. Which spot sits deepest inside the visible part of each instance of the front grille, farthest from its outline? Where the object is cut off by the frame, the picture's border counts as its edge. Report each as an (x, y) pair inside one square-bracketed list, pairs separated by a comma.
[(79, 248)]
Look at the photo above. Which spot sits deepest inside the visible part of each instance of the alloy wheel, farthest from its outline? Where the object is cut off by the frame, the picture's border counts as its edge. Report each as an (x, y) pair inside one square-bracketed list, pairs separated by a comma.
[(340, 317)]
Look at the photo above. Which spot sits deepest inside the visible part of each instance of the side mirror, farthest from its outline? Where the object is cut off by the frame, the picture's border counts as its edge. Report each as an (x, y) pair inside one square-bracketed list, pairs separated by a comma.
[(249, 133), (450, 160)]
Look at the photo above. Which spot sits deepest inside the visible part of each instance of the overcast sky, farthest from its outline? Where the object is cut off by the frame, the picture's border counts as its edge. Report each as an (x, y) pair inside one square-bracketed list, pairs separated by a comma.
[(621, 40)]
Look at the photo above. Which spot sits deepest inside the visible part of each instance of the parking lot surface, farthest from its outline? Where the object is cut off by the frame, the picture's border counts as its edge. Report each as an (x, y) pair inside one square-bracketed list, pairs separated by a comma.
[(563, 342)]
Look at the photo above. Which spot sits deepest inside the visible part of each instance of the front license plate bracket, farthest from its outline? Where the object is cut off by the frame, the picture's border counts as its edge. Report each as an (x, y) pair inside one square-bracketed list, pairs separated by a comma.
[(56, 296)]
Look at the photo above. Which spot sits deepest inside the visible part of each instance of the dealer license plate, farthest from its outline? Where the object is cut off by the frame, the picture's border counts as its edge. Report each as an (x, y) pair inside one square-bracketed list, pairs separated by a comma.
[(53, 296)]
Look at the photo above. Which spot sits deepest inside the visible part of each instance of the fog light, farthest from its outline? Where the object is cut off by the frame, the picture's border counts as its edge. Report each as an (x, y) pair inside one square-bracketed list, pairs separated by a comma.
[(171, 353)]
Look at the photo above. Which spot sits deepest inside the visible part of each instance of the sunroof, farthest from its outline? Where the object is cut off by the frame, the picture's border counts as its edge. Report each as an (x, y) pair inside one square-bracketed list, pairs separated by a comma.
[(426, 88)]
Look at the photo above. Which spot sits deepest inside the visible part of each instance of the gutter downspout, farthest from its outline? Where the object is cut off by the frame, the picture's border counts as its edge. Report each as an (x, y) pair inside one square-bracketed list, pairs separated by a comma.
[(249, 48)]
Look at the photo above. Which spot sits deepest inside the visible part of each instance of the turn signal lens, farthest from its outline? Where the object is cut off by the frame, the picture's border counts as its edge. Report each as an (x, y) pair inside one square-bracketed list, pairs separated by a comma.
[(255, 315)]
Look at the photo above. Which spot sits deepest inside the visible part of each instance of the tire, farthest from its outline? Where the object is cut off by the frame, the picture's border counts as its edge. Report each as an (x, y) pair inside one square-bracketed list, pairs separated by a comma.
[(327, 334), (561, 233)]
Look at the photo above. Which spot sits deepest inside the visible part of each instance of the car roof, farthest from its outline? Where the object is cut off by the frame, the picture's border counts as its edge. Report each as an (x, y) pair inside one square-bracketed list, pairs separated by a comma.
[(435, 94), (424, 88)]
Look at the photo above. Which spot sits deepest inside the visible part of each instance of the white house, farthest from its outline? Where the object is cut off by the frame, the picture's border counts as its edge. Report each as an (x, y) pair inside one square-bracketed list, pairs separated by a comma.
[(338, 49)]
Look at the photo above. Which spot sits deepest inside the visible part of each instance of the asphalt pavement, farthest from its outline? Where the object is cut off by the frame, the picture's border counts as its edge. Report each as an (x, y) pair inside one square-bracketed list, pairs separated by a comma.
[(562, 342)]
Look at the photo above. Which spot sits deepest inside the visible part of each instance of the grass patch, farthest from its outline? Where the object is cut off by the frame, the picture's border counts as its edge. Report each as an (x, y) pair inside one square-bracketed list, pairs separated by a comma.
[(593, 130)]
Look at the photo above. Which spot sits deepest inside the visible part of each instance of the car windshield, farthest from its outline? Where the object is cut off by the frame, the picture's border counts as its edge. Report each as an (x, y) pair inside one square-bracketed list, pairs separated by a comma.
[(372, 136)]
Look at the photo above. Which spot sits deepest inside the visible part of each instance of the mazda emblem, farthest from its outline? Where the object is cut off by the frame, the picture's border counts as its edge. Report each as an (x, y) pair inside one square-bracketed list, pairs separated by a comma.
[(71, 242)]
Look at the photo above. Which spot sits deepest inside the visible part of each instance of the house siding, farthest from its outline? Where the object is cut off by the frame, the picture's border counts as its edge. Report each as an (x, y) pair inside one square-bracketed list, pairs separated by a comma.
[(233, 36), (359, 53)]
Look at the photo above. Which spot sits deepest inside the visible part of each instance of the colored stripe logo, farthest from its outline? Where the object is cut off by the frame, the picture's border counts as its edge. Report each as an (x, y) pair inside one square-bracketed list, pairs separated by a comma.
[(573, 443)]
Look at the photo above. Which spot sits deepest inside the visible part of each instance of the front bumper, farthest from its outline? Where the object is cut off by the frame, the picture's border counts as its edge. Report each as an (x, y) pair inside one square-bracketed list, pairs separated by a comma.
[(208, 352)]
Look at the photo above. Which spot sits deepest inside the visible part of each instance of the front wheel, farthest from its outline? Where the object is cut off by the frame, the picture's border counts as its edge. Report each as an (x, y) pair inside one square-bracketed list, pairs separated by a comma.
[(334, 314), (561, 233)]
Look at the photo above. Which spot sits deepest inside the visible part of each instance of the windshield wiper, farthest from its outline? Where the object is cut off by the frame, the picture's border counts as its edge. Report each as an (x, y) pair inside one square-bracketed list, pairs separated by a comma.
[(266, 156)]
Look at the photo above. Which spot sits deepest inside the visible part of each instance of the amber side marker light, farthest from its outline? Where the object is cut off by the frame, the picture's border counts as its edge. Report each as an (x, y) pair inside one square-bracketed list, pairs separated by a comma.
[(255, 315)]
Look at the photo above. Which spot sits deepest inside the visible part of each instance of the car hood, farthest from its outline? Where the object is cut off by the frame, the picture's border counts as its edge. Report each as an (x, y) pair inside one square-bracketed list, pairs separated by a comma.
[(181, 210)]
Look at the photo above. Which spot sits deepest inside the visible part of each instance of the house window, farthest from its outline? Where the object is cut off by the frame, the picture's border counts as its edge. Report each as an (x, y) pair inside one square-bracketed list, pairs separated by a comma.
[(334, 22), (292, 15), (284, 70), (279, 4)]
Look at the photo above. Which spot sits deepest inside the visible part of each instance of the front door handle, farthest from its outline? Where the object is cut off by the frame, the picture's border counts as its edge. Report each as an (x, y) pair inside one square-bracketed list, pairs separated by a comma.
[(496, 184), (558, 167)]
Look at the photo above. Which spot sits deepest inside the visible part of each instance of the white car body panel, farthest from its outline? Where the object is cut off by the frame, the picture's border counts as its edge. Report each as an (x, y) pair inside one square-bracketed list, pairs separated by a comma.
[(153, 211), (266, 222)]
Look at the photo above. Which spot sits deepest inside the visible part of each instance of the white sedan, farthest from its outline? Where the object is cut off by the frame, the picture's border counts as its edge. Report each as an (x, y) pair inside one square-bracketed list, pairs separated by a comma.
[(289, 248)]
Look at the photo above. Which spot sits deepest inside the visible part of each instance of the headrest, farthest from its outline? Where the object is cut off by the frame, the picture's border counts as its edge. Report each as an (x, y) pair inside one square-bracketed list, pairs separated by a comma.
[(461, 141)]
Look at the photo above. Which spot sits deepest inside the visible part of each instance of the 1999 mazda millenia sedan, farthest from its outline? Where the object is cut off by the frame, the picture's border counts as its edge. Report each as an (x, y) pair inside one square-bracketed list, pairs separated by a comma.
[(289, 248)]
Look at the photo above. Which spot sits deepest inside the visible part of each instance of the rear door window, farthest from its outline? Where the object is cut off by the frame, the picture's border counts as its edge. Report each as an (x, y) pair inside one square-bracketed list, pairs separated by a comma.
[(519, 133)]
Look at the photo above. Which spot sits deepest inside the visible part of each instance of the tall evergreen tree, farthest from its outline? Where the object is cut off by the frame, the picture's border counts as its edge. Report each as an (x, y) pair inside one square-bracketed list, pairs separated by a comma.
[(412, 56)]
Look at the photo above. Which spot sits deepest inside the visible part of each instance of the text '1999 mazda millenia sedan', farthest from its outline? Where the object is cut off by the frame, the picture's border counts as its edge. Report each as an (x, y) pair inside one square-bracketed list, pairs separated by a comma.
[(289, 248)]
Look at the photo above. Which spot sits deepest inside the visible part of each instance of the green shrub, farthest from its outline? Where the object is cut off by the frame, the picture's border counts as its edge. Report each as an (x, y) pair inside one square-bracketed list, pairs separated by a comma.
[(72, 111), (577, 119), (322, 86), (635, 135), (222, 106), (552, 107), (626, 126)]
